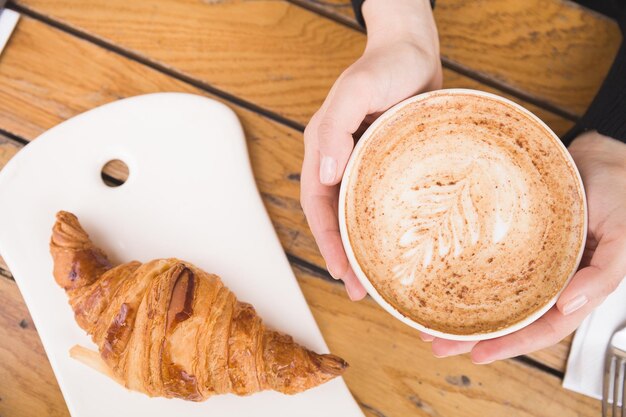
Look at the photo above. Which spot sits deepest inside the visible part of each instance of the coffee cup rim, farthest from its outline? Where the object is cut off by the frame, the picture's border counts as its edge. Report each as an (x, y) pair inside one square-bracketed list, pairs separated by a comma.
[(362, 277)]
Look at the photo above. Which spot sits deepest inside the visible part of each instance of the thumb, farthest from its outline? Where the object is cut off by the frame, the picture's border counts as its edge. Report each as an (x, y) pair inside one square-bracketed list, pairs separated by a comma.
[(346, 107), (594, 283)]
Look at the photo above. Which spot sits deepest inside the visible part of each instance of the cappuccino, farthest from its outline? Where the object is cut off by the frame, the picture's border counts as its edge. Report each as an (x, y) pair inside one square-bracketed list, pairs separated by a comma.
[(463, 212)]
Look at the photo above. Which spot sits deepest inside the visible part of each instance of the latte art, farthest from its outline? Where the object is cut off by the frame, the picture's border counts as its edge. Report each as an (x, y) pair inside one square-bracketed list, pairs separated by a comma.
[(463, 212), (457, 201)]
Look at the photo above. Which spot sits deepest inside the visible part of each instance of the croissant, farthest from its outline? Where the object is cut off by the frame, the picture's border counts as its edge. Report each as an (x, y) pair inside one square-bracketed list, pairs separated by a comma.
[(167, 328)]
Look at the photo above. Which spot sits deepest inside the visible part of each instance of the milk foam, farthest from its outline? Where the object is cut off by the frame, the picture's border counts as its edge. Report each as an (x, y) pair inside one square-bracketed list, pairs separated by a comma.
[(444, 206), (464, 214)]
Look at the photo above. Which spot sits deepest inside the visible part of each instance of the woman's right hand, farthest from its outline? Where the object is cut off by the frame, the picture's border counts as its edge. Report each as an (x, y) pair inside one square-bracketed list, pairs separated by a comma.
[(401, 59)]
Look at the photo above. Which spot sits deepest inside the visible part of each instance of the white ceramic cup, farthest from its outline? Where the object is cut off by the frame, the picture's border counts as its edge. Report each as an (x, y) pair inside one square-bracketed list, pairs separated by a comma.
[(363, 141)]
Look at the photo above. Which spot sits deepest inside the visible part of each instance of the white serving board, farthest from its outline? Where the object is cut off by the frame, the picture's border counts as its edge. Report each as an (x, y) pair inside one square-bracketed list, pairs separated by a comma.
[(190, 194)]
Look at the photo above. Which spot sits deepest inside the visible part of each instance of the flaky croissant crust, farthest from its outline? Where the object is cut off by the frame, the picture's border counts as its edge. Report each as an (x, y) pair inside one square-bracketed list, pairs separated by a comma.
[(167, 328)]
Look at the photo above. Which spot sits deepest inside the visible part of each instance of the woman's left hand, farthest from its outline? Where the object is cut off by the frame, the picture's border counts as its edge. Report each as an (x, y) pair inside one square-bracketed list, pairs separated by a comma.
[(602, 164)]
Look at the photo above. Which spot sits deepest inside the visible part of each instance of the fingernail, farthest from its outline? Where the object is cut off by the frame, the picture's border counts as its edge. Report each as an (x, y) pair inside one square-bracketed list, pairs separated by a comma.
[(437, 353), (351, 295), (485, 362), (574, 304), (426, 337), (328, 169), (354, 294), (332, 273)]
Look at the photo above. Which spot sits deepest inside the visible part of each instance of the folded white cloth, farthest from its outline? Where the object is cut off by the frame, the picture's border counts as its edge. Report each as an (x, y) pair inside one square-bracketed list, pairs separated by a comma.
[(585, 366), (8, 20)]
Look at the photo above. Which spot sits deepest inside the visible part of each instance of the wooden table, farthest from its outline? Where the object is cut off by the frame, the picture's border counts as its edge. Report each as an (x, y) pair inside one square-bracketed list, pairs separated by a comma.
[(273, 62)]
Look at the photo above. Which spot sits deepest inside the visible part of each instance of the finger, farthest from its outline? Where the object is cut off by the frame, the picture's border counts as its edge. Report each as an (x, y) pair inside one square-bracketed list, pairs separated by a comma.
[(345, 108), (593, 283), (356, 291), (548, 330), (321, 214), (319, 203), (443, 348)]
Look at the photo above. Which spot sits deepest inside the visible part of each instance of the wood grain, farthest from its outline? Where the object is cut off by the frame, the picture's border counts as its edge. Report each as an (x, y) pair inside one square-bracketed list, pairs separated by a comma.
[(39, 90), (28, 385), (8, 148), (338, 9), (542, 49), (271, 53), (392, 372)]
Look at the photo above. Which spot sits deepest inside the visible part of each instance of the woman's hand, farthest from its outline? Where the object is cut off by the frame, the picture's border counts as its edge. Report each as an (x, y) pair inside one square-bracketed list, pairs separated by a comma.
[(401, 59), (602, 164)]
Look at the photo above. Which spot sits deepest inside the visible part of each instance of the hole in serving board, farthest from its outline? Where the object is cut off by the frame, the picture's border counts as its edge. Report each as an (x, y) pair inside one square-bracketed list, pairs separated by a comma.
[(114, 173)]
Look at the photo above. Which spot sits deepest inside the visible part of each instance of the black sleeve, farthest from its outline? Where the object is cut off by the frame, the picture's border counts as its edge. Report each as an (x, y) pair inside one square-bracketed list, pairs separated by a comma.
[(607, 112), (358, 12)]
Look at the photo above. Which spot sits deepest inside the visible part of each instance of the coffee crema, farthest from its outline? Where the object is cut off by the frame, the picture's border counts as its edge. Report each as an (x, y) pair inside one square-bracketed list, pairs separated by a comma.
[(464, 213)]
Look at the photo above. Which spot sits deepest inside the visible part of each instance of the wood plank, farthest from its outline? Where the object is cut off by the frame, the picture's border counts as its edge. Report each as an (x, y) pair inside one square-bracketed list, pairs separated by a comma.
[(539, 48), (341, 10), (8, 148), (280, 56), (392, 372), (28, 385), (40, 89)]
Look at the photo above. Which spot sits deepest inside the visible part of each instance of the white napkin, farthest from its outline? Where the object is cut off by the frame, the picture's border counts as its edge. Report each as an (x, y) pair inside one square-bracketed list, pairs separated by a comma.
[(8, 20), (585, 366)]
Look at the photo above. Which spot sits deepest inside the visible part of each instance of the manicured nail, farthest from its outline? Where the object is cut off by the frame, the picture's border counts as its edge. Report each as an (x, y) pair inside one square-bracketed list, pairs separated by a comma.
[(328, 169), (352, 295), (355, 294), (574, 304), (435, 350), (486, 362), (426, 337), (332, 272)]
